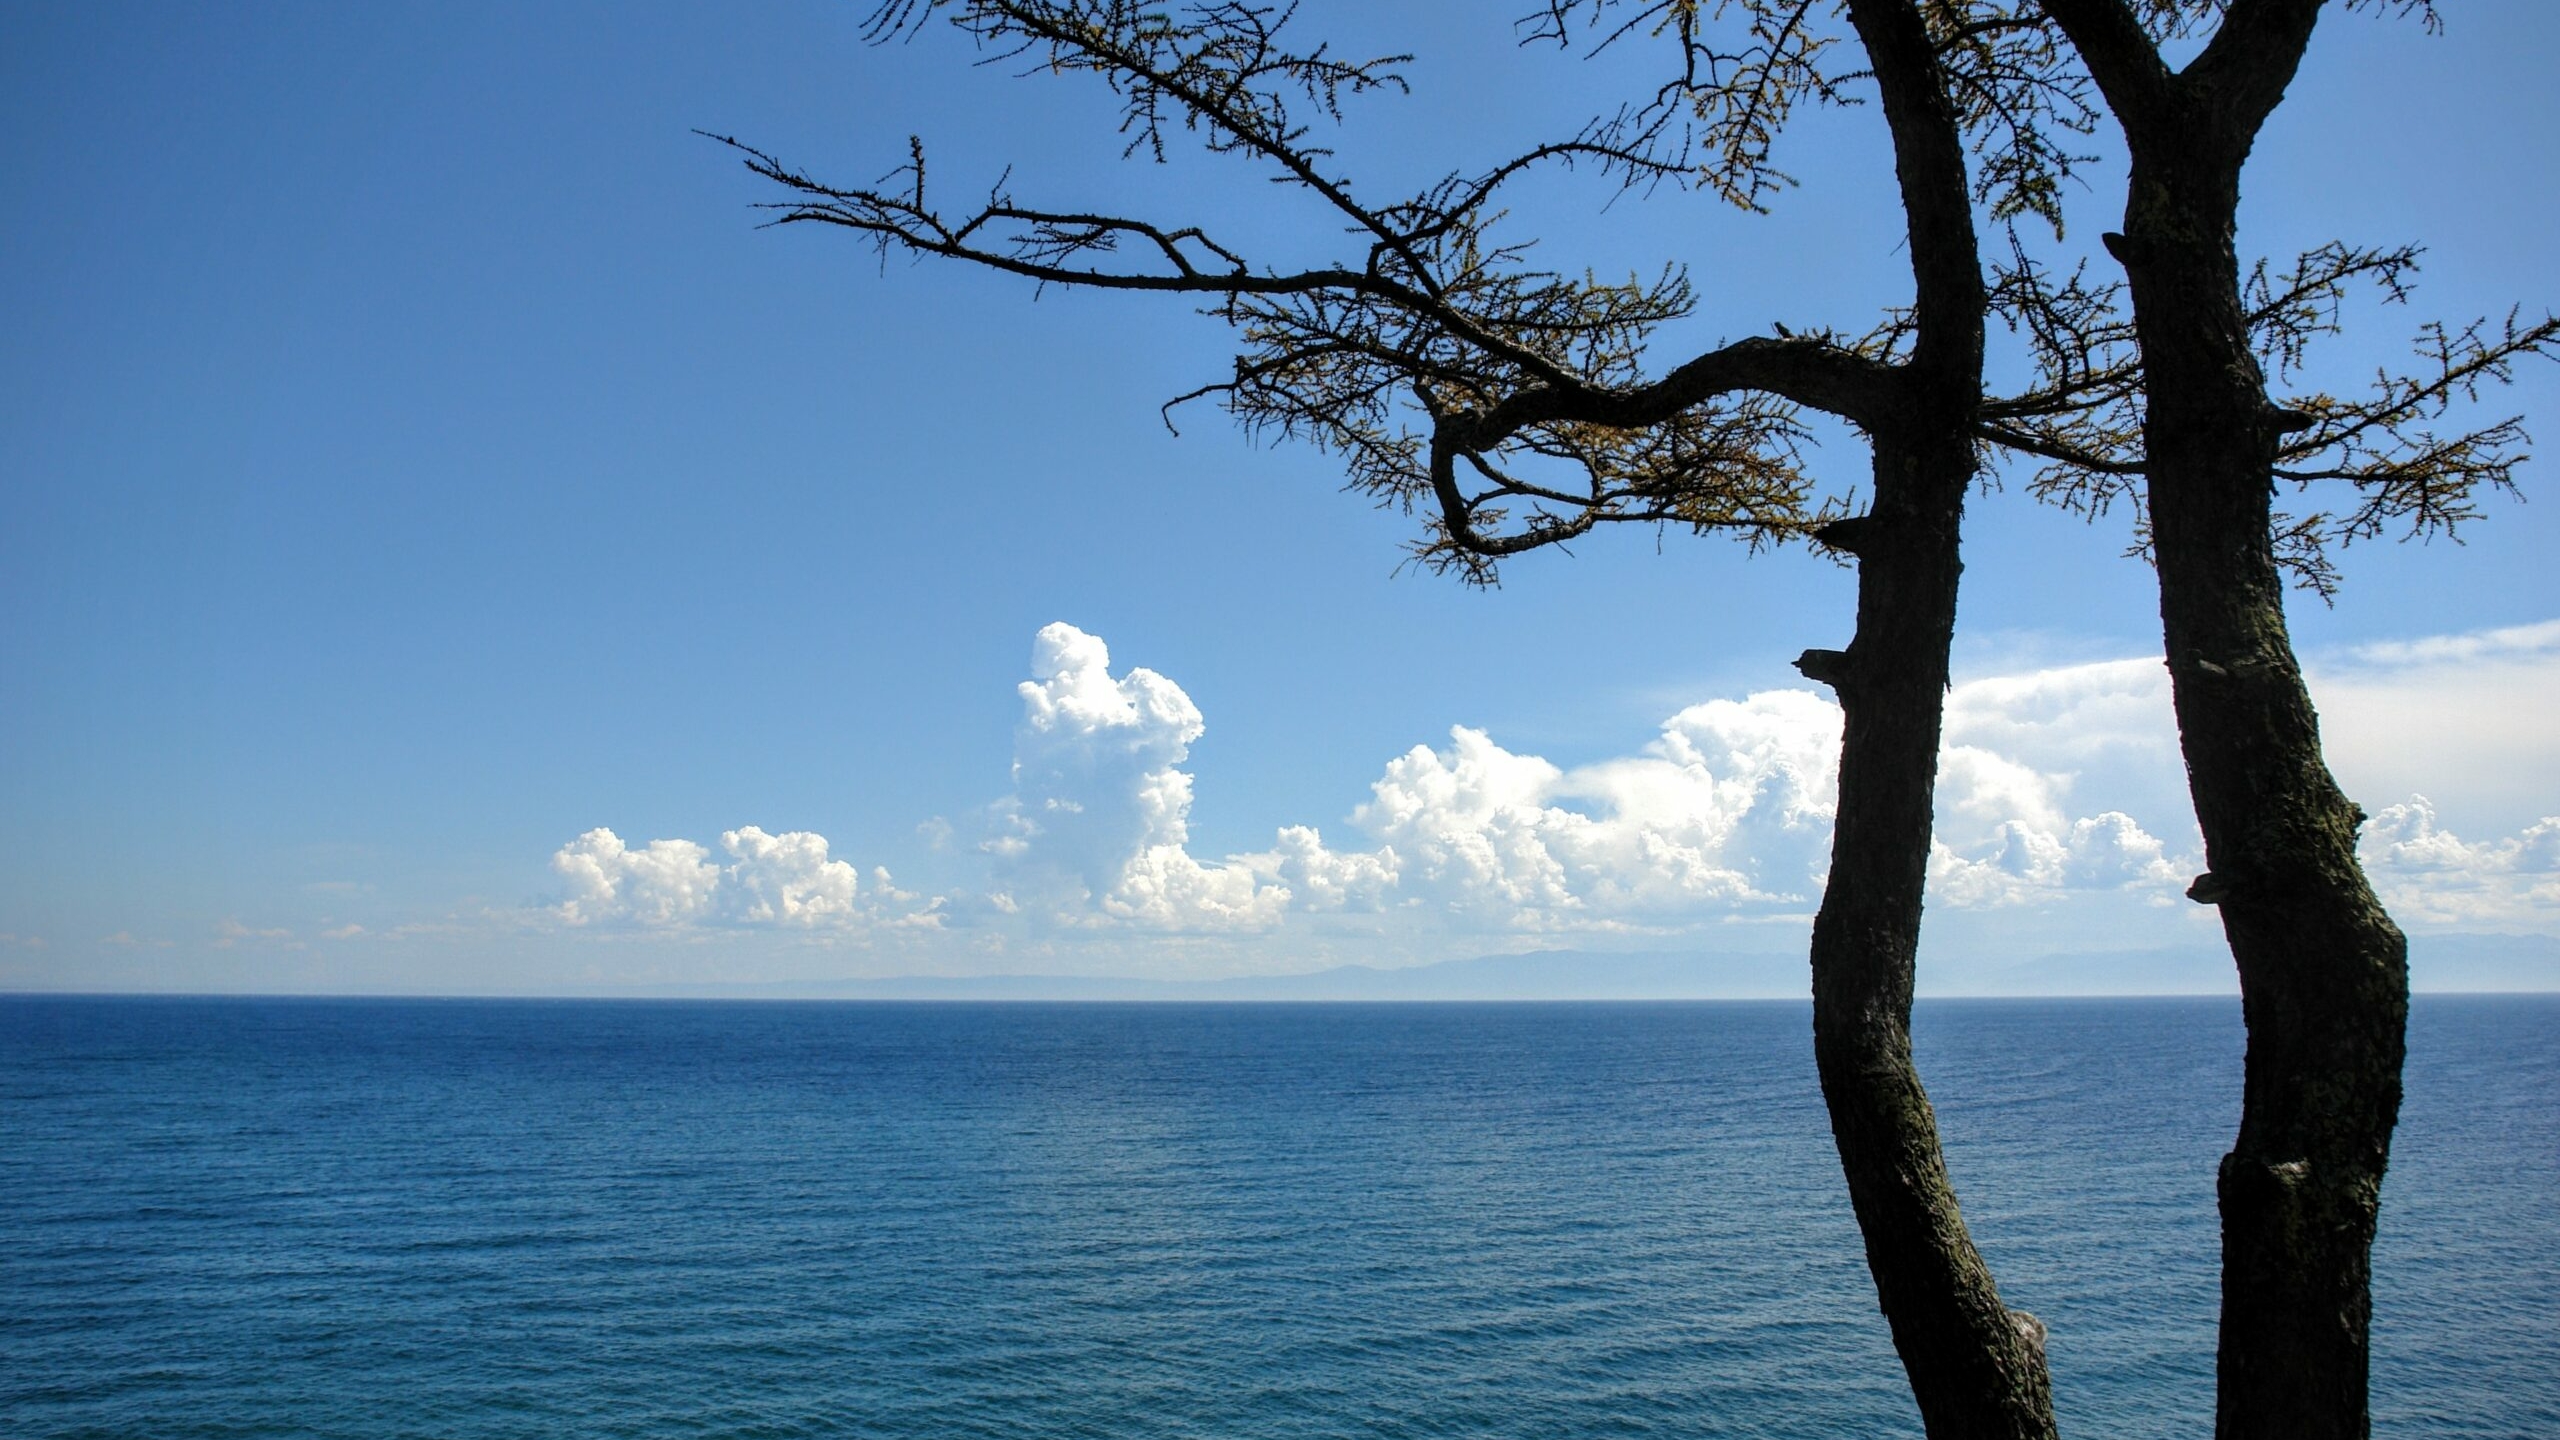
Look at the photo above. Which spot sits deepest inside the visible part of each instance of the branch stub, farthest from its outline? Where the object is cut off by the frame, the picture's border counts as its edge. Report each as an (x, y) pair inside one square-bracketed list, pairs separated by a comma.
[(1824, 667)]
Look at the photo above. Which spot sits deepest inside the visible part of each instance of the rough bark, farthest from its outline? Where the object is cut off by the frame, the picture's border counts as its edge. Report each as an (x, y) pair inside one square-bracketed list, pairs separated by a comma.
[(2323, 971), (1977, 1369)]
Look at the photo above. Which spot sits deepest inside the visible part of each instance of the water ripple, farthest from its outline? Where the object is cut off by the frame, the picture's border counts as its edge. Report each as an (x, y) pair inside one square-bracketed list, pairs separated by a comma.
[(485, 1219)]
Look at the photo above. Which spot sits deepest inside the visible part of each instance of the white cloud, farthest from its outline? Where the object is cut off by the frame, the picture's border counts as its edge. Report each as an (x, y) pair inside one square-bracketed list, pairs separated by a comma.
[(229, 933), (785, 880), (1727, 813), (1322, 879), (2030, 756), (2067, 718), (667, 882), (2023, 863), (1475, 826), (1729, 808), (2507, 643), (1982, 792), (2429, 876), (2026, 754), (2055, 783), (2463, 719), (1163, 886), (1096, 828)]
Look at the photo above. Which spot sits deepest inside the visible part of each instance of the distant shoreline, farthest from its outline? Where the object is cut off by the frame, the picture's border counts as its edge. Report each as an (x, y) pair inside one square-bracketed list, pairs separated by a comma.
[(2439, 965)]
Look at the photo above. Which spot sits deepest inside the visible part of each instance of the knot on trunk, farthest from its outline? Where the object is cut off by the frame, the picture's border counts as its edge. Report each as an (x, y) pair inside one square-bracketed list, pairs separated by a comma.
[(2031, 1331), (1824, 667), (2211, 889), (2129, 252), (1855, 534), (2247, 1178), (2239, 669)]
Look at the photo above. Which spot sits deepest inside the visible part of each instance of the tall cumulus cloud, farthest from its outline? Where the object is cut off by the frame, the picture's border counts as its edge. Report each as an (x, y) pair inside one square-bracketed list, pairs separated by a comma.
[(1099, 822)]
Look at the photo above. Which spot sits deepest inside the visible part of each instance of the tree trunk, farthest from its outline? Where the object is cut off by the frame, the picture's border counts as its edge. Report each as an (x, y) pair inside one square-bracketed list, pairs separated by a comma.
[(2323, 971), (1976, 1368)]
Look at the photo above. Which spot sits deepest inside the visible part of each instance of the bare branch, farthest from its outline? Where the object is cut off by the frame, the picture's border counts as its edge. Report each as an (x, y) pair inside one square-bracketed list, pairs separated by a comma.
[(1520, 405), (1732, 90), (1437, 351), (2411, 479)]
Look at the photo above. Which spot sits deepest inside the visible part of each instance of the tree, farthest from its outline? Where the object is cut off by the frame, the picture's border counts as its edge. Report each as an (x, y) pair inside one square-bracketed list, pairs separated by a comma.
[(1511, 369), (2323, 970), (1515, 409)]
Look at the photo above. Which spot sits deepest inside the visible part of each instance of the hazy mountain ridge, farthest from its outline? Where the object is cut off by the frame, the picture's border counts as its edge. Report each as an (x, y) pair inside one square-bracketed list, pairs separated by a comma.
[(2439, 963)]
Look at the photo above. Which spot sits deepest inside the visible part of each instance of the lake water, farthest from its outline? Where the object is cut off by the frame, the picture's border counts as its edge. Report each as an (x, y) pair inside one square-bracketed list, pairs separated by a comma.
[(400, 1218)]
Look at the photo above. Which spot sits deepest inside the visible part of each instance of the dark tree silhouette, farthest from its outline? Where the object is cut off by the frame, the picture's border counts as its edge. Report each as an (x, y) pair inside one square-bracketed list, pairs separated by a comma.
[(2323, 970), (1514, 408)]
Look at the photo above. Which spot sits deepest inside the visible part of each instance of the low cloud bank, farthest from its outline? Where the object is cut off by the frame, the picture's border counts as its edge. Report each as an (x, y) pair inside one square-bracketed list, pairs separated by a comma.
[(1725, 813), (2058, 782), (769, 880)]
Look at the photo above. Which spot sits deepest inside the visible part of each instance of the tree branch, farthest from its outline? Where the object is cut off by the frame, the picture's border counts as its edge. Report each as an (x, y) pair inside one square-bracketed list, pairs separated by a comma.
[(2121, 57)]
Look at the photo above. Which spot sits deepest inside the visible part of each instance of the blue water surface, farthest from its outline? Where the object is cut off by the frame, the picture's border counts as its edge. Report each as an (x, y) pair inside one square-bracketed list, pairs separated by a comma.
[(392, 1218)]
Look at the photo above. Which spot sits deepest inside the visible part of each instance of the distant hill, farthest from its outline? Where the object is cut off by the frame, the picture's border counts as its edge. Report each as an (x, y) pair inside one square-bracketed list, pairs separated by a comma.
[(2446, 963), (2438, 963), (1540, 975), (2198, 971)]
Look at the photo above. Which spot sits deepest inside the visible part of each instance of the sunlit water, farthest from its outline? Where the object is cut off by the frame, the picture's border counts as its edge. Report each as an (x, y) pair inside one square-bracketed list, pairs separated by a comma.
[(483, 1219)]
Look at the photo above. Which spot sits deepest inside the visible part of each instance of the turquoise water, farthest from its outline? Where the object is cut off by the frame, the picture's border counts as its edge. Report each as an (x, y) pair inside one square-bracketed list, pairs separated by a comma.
[(495, 1218)]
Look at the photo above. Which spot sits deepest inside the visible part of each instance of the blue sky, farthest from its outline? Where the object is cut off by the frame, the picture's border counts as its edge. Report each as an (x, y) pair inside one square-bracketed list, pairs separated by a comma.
[(412, 460)]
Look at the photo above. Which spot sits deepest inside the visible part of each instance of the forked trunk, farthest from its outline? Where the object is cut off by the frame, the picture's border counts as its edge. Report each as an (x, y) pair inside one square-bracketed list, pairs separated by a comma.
[(1976, 1368), (2324, 974)]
